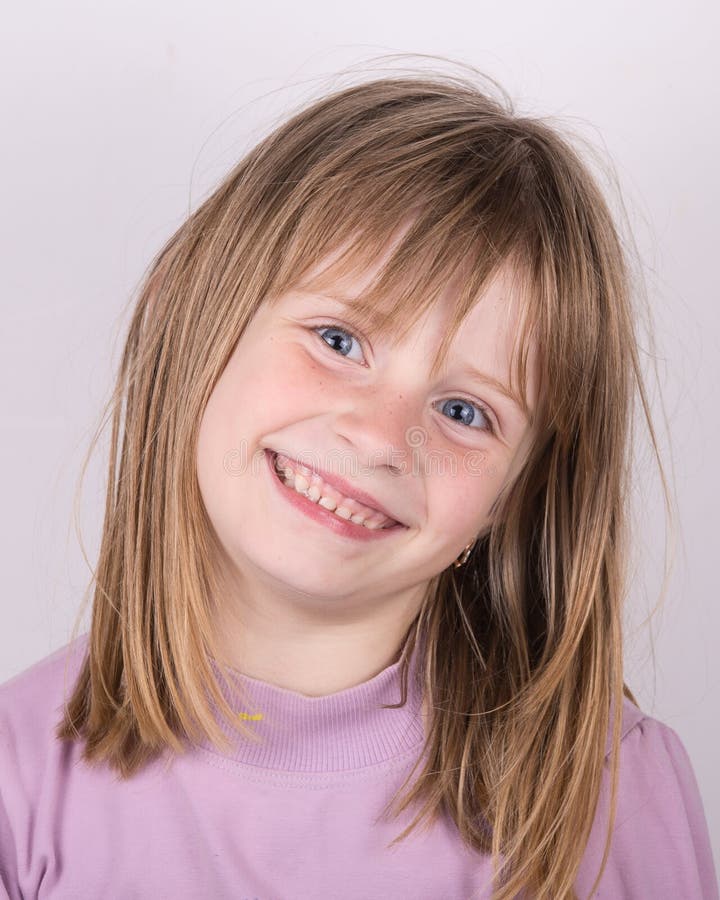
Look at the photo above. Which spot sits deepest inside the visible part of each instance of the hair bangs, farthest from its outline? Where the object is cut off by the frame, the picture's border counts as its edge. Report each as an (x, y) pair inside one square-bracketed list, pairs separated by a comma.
[(405, 261)]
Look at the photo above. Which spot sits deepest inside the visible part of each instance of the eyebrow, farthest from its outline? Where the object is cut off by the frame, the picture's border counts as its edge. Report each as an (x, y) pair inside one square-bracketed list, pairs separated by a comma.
[(501, 388), (347, 304), (471, 371)]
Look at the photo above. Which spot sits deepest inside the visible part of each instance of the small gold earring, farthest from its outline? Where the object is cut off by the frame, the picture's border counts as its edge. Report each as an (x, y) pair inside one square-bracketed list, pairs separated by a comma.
[(463, 558)]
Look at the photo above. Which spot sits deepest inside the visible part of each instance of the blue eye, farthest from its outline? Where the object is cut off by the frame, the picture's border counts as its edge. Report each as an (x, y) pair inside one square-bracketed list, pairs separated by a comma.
[(343, 340), (345, 343), (457, 404)]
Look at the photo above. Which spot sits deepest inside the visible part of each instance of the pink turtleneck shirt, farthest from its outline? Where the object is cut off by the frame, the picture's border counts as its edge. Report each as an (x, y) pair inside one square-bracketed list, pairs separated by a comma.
[(296, 817)]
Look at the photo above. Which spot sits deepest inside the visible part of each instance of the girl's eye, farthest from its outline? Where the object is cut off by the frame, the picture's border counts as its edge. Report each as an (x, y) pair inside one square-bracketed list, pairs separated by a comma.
[(459, 406), (341, 339)]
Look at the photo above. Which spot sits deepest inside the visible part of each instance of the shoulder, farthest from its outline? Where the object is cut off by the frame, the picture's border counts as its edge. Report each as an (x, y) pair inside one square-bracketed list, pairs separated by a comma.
[(660, 840), (46, 680), (31, 704), (655, 771), (653, 759), (632, 717), (31, 759)]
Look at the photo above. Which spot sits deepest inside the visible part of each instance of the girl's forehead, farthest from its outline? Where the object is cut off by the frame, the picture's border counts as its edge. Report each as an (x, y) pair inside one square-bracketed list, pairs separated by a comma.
[(348, 278), (348, 275)]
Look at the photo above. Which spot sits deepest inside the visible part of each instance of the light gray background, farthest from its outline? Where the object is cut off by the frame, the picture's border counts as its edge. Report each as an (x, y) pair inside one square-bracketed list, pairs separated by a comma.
[(119, 117)]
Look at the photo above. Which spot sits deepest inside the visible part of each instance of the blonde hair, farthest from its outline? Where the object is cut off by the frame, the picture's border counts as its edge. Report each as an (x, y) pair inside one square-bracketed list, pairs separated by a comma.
[(522, 647)]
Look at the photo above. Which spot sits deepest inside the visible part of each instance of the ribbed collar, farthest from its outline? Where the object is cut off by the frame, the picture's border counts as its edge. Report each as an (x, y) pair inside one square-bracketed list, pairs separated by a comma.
[(338, 732)]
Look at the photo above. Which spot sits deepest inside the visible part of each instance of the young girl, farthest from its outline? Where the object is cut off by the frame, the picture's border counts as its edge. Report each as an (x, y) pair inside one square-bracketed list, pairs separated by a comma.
[(356, 623)]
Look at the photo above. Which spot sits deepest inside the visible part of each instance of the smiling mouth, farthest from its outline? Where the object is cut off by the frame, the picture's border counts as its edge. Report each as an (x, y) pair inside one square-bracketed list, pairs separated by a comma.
[(312, 488)]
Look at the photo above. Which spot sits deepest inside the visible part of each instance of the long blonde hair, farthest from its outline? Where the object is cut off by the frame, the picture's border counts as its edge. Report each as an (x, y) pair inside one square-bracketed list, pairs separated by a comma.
[(522, 661)]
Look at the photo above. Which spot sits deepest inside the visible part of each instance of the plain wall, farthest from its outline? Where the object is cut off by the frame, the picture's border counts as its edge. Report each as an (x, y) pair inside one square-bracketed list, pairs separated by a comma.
[(119, 117)]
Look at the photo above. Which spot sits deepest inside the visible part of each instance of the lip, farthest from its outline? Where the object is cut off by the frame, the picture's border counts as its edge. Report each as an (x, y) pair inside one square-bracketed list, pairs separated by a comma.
[(342, 527), (345, 488)]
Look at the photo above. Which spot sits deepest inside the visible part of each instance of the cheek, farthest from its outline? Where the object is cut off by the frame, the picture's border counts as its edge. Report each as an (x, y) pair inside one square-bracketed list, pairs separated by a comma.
[(460, 499), (266, 384), (279, 376)]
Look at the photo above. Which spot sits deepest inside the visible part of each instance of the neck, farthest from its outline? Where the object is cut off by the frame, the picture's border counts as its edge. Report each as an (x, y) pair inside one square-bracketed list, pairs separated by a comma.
[(312, 654)]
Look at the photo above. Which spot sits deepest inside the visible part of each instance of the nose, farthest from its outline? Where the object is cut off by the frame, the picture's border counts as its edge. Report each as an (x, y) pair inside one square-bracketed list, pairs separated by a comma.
[(383, 426)]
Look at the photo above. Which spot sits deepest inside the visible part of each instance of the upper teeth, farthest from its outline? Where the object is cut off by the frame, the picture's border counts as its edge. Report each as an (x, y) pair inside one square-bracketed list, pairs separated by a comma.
[(307, 482)]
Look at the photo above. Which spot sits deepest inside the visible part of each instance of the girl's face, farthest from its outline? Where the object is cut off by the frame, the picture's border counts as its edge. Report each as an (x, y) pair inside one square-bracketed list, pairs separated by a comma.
[(432, 453)]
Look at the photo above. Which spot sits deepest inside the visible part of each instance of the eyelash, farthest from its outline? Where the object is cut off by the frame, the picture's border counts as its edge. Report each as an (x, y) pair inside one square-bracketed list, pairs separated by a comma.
[(491, 428)]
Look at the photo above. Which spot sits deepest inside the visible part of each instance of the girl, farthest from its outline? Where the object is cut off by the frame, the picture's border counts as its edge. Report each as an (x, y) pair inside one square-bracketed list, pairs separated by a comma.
[(356, 624)]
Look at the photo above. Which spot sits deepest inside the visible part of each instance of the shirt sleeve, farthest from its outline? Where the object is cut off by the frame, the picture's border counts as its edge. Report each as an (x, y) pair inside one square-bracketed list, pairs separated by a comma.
[(15, 822), (9, 889), (660, 845)]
